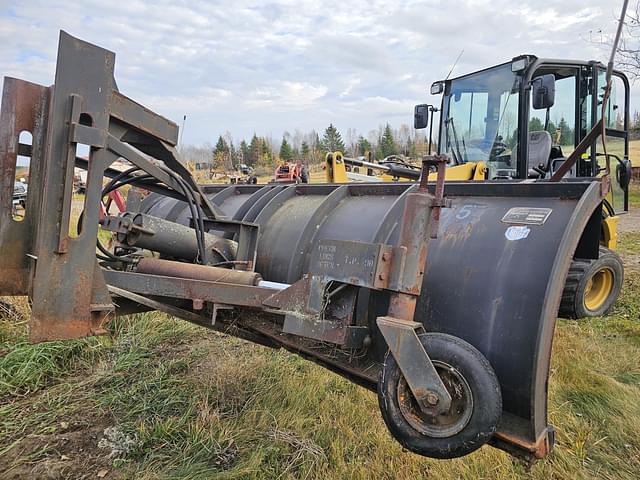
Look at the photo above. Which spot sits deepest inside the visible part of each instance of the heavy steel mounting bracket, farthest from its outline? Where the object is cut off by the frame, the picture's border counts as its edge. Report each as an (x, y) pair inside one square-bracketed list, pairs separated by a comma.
[(402, 337)]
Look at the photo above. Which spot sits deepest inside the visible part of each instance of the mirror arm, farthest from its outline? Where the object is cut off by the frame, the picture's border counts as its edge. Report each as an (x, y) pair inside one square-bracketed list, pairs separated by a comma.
[(547, 119)]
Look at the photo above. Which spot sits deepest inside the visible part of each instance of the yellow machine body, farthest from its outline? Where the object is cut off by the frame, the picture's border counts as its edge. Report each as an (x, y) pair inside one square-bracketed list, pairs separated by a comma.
[(610, 232), (336, 172)]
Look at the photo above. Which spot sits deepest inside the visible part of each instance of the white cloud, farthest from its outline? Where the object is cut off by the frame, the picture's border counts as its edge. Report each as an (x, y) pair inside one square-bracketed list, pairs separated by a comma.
[(553, 21), (270, 67), (202, 101), (285, 96), (351, 84)]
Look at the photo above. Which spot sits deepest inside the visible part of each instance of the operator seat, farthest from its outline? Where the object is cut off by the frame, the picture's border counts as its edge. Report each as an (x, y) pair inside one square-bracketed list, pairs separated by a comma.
[(539, 147)]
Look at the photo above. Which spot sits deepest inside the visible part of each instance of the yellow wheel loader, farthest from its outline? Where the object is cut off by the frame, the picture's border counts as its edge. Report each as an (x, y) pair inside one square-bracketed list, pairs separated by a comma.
[(520, 120), (444, 306)]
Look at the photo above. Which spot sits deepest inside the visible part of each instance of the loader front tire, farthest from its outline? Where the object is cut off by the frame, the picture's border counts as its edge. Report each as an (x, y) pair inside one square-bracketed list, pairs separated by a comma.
[(592, 286), (476, 401)]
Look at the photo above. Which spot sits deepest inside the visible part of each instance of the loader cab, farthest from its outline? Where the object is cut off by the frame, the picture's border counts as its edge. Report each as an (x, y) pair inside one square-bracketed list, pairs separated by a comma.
[(523, 118)]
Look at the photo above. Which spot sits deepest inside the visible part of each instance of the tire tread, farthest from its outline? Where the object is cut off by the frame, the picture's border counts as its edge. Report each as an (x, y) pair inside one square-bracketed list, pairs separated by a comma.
[(569, 307)]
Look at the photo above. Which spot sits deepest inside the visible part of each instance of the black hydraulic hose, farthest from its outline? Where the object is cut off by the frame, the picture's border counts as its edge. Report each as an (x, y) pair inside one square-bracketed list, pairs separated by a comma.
[(114, 184), (120, 176), (184, 189), (200, 220), (196, 213)]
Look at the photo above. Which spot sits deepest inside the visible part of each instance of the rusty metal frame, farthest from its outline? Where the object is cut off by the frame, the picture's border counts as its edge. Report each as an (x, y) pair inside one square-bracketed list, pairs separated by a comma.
[(83, 106), (25, 107)]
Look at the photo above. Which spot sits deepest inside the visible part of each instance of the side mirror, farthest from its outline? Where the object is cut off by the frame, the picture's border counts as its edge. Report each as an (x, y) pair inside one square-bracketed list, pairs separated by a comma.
[(623, 173), (421, 116), (544, 91), (437, 88)]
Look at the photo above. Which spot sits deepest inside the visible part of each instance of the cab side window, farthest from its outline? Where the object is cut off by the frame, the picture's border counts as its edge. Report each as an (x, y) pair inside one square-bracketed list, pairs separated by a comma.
[(561, 123), (615, 122)]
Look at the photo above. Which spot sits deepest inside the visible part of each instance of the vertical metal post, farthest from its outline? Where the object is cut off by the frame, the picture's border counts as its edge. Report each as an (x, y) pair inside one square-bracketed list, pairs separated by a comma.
[(420, 221), (432, 109)]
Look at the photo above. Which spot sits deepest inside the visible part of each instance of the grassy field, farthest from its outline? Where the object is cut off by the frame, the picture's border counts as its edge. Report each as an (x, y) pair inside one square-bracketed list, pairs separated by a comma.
[(160, 398)]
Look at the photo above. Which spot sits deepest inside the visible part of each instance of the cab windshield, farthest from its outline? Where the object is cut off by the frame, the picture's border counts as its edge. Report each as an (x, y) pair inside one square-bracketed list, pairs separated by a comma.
[(480, 120)]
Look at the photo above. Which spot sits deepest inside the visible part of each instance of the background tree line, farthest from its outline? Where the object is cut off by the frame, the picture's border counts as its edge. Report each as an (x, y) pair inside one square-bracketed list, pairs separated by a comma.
[(307, 147), (310, 148)]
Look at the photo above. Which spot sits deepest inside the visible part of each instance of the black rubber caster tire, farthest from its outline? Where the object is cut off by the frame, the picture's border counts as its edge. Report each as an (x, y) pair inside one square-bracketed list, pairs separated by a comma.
[(476, 401)]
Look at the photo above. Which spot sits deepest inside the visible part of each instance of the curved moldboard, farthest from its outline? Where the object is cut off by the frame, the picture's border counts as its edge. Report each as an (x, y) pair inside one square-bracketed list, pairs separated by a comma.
[(498, 286), (495, 283)]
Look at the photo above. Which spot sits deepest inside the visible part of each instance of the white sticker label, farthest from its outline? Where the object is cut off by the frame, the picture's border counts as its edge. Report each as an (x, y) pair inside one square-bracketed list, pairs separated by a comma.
[(517, 233)]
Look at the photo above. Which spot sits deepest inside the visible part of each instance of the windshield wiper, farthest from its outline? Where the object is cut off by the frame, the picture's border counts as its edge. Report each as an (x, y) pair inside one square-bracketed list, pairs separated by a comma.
[(464, 150), (457, 157)]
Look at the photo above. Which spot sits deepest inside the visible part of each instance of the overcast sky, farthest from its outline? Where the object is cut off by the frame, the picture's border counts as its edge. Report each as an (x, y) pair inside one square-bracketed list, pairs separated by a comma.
[(270, 67)]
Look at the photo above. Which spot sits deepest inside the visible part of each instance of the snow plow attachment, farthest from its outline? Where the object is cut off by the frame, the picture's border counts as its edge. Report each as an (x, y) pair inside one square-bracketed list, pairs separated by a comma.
[(444, 305), (494, 274)]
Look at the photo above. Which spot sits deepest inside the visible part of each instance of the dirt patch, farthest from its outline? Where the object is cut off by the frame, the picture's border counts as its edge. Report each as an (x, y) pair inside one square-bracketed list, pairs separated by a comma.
[(630, 221), (631, 262), (70, 451)]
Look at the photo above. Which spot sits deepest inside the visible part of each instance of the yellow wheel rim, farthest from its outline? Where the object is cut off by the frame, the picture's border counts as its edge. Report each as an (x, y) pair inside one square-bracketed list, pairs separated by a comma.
[(598, 289)]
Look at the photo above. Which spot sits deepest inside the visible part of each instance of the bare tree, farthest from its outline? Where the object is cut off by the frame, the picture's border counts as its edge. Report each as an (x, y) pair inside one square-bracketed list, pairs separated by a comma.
[(628, 51), (297, 139), (200, 156), (351, 141), (403, 138)]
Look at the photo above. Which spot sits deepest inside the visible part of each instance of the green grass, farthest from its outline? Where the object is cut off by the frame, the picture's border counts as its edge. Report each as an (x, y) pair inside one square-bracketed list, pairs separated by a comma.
[(634, 194), (630, 243), (26, 368), (188, 403), (195, 404)]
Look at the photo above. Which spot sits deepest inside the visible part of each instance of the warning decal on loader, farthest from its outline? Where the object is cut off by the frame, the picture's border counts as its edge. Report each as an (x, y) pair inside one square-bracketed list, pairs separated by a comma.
[(527, 216)]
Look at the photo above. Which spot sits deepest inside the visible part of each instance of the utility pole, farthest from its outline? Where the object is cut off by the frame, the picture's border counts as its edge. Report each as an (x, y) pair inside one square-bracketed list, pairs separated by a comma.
[(184, 120)]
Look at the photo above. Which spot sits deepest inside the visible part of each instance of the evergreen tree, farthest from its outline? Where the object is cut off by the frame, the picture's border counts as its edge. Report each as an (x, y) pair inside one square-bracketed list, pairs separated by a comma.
[(387, 143), (232, 155), (536, 125), (220, 153), (305, 151), (245, 152), (332, 140), (566, 133), (221, 146), (551, 128), (266, 153), (364, 146), (286, 152), (255, 148)]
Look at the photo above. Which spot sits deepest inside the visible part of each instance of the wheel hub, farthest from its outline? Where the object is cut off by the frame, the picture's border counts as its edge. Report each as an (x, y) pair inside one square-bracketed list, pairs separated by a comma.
[(598, 289), (448, 423)]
